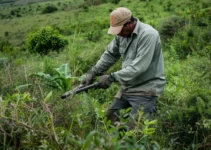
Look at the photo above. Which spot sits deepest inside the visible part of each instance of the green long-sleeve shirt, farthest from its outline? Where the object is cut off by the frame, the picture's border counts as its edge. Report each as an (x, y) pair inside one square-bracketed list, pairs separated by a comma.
[(142, 61)]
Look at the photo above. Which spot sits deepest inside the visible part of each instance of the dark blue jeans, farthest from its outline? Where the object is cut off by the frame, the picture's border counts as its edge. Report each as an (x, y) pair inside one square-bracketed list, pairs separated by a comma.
[(136, 103)]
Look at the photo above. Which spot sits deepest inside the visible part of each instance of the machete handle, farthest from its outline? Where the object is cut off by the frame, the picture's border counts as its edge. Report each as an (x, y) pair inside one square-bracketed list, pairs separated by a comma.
[(79, 90)]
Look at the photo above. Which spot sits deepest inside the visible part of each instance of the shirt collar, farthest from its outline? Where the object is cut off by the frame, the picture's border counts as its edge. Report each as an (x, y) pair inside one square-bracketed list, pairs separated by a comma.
[(137, 28)]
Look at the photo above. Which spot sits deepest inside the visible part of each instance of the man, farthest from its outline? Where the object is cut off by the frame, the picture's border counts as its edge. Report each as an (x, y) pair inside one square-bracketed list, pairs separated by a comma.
[(142, 75)]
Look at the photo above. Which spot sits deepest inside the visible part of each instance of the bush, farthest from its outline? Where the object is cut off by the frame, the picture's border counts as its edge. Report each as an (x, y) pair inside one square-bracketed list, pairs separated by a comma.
[(170, 26), (12, 12), (6, 47), (191, 40), (49, 9), (94, 35), (44, 40), (187, 90), (6, 33), (193, 120)]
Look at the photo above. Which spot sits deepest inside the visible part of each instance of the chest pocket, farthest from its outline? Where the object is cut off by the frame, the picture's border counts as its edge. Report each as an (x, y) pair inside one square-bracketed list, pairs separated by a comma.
[(127, 49), (132, 51), (122, 50)]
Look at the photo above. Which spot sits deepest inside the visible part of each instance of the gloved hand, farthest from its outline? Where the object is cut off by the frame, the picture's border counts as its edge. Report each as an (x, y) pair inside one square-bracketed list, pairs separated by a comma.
[(105, 81), (89, 78)]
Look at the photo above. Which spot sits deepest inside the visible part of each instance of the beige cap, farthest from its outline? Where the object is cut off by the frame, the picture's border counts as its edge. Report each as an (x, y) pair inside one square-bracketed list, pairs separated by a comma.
[(118, 18)]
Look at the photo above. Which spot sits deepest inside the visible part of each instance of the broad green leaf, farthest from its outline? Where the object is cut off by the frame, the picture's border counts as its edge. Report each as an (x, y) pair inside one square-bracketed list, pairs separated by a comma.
[(64, 71), (152, 122), (63, 82), (41, 74), (48, 96), (19, 87)]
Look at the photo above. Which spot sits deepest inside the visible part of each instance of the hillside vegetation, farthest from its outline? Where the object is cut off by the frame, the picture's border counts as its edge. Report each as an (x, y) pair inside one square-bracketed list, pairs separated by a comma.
[(46, 47)]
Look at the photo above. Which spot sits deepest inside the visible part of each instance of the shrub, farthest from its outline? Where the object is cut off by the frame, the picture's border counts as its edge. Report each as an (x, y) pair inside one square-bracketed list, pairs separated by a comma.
[(170, 26), (94, 35), (5, 46), (193, 119), (12, 12), (49, 9), (6, 33), (52, 124), (182, 45), (191, 40), (187, 90), (45, 40)]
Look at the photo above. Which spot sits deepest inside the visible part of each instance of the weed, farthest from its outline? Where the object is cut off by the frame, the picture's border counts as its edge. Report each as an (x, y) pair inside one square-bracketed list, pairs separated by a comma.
[(61, 80), (32, 116), (45, 40)]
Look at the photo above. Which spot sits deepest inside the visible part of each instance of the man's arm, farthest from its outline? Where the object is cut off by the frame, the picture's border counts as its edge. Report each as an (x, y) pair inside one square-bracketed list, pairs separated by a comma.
[(109, 57)]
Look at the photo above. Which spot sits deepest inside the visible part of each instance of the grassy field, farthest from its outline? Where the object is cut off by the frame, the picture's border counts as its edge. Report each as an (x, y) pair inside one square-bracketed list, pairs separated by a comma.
[(31, 111), (31, 16)]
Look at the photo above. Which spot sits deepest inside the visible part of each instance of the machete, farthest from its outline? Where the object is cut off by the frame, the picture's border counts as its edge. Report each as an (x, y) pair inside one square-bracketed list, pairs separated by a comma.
[(79, 89)]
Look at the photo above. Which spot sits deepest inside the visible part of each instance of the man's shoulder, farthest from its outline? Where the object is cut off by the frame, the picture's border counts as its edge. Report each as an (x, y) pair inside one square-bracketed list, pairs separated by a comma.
[(148, 29)]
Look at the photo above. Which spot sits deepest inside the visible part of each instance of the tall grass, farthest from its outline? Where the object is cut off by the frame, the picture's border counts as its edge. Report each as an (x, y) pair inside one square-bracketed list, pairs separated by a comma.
[(33, 115)]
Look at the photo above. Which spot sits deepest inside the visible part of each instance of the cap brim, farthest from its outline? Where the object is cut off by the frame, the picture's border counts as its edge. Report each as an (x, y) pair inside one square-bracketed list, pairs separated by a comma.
[(115, 30)]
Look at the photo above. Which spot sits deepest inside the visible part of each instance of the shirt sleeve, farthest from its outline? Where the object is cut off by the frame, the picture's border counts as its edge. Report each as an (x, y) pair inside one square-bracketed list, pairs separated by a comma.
[(109, 57), (141, 62)]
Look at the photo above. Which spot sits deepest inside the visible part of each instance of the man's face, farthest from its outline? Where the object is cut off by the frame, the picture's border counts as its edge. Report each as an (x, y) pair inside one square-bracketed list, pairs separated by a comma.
[(126, 31)]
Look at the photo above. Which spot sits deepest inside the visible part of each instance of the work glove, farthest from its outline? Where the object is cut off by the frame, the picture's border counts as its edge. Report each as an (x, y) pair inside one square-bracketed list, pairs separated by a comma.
[(89, 78), (105, 81)]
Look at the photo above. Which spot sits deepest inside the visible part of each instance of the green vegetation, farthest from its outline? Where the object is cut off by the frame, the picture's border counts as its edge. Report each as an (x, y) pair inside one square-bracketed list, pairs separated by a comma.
[(70, 41), (44, 40), (49, 9), (61, 79)]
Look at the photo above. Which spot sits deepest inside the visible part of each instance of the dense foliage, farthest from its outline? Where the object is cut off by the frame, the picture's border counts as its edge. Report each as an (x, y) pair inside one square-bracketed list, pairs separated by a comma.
[(45, 40), (32, 114), (49, 9)]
